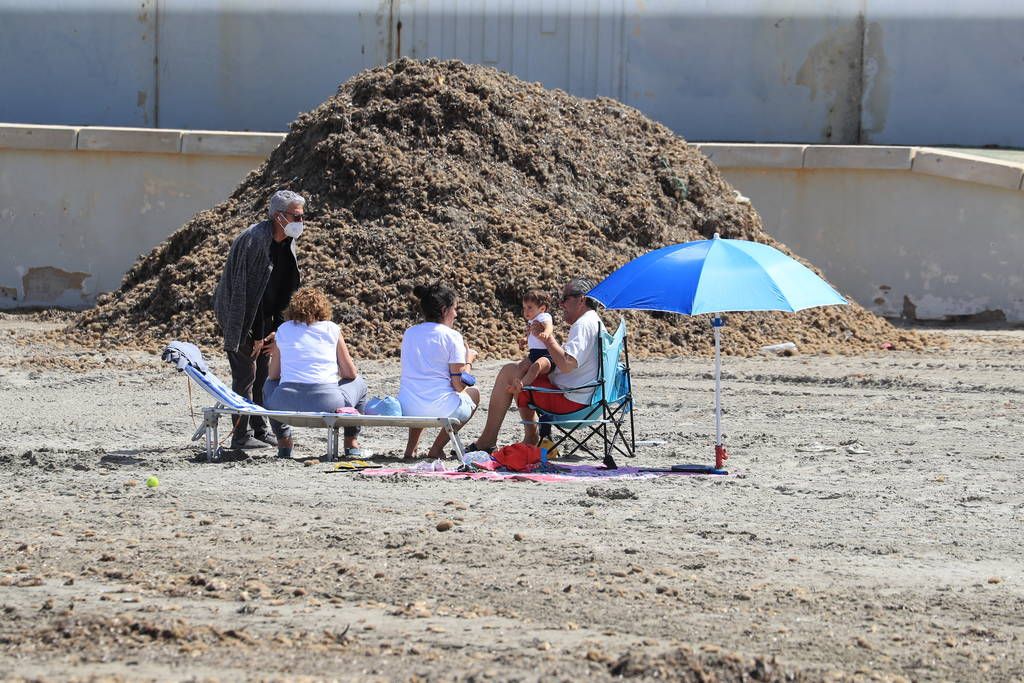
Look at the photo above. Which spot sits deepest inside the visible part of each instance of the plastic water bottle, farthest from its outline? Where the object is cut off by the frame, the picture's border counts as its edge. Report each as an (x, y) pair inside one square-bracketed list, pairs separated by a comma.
[(467, 379)]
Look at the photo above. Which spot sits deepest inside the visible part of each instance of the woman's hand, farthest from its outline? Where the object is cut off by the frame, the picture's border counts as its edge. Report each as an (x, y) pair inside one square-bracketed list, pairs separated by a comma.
[(515, 387), (269, 345)]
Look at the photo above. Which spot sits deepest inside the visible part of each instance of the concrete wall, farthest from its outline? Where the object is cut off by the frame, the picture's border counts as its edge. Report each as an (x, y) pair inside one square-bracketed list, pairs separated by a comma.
[(942, 72), (919, 232), (77, 207), (902, 244)]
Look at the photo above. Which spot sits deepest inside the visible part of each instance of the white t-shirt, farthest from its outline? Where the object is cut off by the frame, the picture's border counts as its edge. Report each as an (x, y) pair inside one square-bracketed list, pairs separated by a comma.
[(531, 340), (426, 387), (309, 353), (582, 344)]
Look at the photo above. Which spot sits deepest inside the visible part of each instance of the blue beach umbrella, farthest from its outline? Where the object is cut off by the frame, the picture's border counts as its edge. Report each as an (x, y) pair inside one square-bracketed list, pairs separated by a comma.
[(715, 276)]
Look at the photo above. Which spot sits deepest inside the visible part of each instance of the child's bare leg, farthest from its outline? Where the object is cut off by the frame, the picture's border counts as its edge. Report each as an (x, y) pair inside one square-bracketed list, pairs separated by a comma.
[(541, 366), (523, 367)]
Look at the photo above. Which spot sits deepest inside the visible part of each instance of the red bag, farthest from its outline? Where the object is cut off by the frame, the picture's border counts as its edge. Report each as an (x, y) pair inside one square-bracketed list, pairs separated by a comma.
[(518, 457)]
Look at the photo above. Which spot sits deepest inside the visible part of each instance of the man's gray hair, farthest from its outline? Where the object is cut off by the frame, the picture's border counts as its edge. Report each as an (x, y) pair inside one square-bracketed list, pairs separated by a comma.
[(582, 285), (283, 199)]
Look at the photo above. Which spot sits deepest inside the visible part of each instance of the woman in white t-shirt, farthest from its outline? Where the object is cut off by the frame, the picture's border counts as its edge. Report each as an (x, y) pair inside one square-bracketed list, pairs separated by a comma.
[(434, 356), (311, 369)]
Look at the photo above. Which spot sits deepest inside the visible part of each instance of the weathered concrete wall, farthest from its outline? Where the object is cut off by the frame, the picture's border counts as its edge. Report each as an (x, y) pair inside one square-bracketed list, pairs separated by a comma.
[(74, 219), (811, 71), (919, 232), (916, 233)]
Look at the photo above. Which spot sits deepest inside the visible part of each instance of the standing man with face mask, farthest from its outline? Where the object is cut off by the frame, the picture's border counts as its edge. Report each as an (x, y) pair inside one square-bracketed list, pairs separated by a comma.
[(259, 278)]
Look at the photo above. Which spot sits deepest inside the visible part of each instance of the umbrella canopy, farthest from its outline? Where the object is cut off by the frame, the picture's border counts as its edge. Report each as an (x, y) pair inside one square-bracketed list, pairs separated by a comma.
[(715, 276)]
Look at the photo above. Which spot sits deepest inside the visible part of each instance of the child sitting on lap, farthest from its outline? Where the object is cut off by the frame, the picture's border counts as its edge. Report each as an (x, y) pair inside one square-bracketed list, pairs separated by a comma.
[(538, 362)]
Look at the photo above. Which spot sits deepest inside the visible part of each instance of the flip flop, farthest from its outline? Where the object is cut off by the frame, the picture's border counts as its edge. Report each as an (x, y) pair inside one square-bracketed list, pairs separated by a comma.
[(351, 466), (358, 453)]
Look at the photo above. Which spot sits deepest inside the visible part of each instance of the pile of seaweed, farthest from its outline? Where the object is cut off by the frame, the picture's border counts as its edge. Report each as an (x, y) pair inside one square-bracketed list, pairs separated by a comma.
[(437, 170)]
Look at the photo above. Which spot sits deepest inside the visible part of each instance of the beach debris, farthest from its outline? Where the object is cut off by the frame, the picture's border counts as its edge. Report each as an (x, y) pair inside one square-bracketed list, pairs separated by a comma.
[(815, 447), (439, 170), (611, 492), (783, 349), (445, 525)]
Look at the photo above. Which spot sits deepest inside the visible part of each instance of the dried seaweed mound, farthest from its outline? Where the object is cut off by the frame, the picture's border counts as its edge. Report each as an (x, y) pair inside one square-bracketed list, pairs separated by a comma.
[(426, 170)]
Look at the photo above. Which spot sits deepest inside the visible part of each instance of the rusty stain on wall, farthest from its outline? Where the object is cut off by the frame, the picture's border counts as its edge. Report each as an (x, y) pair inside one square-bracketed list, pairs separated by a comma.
[(832, 70), (875, 102), (8, 293), (47, 284), (140, 102)]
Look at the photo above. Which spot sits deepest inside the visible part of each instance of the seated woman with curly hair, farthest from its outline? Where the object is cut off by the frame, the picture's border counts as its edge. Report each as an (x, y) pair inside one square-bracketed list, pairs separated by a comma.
[(311, 369)]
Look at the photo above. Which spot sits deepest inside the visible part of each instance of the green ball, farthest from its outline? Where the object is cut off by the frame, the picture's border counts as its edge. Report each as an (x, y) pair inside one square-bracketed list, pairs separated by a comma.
[(152, 482)]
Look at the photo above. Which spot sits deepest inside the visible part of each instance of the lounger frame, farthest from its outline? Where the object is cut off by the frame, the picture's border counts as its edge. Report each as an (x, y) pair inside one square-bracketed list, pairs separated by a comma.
[(332, 422)]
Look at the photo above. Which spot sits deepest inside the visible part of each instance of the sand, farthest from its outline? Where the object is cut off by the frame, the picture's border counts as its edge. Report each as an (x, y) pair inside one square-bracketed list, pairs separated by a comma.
[(901, 560)]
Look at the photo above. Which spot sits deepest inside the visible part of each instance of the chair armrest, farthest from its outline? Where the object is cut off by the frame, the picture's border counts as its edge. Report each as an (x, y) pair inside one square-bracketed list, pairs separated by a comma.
[(546, 390)]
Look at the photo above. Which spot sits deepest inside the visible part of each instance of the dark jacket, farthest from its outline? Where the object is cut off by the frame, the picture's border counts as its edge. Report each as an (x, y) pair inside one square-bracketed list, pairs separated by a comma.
[(245, 277)]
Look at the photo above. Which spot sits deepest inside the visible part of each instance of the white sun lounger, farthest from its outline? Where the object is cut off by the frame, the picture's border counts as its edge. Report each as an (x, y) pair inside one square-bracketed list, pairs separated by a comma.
[(189, 360)]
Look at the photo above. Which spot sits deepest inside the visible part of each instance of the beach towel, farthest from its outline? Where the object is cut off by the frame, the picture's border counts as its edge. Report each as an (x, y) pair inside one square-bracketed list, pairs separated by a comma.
[(561, 474)]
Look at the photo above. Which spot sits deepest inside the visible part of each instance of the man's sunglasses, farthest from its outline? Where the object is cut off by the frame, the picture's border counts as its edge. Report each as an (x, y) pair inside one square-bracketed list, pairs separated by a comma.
[(297, 217), (566, 297)]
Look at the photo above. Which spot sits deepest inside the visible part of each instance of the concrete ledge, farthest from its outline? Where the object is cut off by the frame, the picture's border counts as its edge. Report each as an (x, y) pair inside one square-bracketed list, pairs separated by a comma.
[(855, 156), (229, 144), (727, 155), (944, 163), (969, 169), (17, 136), (152, 140)]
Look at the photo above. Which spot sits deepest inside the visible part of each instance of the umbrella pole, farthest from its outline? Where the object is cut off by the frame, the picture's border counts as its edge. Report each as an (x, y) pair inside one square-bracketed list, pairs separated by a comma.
[(720, 454)]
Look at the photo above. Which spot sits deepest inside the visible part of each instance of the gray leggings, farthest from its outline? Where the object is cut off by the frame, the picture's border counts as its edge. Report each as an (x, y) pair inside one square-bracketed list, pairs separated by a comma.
[(313, 398)]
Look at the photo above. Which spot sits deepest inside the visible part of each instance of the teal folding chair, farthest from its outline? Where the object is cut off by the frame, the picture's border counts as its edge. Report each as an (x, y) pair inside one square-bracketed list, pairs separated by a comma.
[(605, 417)]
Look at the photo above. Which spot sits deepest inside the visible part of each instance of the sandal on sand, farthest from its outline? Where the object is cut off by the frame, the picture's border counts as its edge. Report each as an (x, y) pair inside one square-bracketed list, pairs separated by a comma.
[(352, 466), (358, 453)]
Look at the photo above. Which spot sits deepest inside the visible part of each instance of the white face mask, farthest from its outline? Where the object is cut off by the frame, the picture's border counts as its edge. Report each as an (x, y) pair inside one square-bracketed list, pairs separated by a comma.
[(293, 230)]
